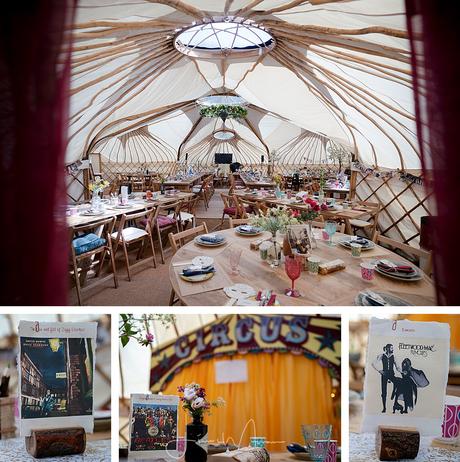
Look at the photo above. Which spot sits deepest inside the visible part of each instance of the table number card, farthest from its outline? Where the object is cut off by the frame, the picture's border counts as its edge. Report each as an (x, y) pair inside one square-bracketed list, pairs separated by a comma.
[(406, 375), (153, 427), (56, 375)]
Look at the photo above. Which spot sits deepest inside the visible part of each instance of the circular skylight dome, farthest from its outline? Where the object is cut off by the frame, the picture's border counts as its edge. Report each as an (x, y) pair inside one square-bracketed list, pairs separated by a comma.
[(225, 36), (224, 135), (227, 100)]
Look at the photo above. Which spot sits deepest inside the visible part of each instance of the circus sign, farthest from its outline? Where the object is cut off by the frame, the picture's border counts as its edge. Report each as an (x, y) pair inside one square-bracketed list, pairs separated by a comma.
[(315, 337)]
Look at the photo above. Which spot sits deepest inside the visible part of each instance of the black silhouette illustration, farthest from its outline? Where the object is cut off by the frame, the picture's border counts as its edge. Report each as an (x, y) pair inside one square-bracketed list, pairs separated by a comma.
[(385, 365), (404, 387)]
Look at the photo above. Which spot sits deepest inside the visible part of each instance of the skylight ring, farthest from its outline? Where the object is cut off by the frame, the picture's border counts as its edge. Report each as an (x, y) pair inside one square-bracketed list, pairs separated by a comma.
[(224, 36)]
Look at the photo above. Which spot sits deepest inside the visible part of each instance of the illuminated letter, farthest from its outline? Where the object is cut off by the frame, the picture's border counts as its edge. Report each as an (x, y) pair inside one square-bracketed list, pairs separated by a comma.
[(265, 329), (219, 335), (298, 332), (182, 351), (200, 346), (243, 330)]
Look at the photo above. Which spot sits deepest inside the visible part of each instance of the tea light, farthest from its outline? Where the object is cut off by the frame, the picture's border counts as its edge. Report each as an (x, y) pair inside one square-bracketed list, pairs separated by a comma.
[(313, 264), (355, 249), (367, 271), (257, 441)]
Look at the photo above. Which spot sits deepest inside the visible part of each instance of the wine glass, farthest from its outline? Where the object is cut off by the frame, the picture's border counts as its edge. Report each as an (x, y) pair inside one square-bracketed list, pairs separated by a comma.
[(293, 270), (330, 227), (234, 259)]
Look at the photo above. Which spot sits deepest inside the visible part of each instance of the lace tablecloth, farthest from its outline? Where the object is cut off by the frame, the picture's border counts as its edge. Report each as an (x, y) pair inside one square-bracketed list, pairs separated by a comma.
[(14, 450), (362, 449)]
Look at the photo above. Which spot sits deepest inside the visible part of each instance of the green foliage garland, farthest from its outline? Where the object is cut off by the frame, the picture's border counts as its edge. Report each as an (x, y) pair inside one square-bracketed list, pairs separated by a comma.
[(233, 112)]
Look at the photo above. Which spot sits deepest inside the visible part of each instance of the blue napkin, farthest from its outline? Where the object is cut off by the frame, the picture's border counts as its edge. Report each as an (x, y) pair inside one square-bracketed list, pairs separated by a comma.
[(196, 270), (213, 238)]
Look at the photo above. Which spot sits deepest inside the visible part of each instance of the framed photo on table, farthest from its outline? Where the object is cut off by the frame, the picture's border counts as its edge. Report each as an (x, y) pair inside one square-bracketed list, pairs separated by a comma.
[(56, 375), (153, 427)]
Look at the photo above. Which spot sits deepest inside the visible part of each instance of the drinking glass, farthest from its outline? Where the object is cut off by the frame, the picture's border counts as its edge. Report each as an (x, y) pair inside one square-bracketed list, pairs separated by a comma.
[(320, 450), (330, 228), (234, 259), (293, 270)]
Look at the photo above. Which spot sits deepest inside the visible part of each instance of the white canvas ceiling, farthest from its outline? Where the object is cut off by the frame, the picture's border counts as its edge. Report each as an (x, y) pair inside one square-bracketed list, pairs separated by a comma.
[(340, 70)]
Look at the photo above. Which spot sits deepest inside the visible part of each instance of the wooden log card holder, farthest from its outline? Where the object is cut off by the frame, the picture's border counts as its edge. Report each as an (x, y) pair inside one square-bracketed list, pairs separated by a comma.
[(396, 443), (56, 442)]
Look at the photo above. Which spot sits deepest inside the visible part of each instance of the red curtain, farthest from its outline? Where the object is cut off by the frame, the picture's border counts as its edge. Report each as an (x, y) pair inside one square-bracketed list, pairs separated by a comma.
[(34, 88), (435, 39)]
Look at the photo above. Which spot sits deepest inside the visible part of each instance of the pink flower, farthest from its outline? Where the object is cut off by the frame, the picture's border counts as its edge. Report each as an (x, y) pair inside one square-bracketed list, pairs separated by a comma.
[(149, 338)]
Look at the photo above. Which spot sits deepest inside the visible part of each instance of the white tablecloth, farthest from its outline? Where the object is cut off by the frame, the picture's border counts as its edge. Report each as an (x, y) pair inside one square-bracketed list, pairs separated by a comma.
[(14, 450), (362, 449)]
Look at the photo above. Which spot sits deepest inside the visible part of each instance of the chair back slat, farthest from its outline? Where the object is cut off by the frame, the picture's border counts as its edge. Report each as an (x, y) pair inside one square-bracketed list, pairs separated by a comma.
[(178, 240)]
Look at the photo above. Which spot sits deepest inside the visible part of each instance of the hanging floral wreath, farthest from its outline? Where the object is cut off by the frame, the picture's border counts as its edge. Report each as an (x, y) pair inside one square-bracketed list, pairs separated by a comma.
[(224, 111)]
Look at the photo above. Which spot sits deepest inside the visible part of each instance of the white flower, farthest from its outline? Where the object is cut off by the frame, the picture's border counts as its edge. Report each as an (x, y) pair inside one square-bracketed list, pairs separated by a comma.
[(198, 403), (189, 393)]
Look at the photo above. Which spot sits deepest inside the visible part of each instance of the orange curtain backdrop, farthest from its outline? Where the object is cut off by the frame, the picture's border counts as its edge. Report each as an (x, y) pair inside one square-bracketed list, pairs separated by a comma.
[(452, 319), (283, 391)]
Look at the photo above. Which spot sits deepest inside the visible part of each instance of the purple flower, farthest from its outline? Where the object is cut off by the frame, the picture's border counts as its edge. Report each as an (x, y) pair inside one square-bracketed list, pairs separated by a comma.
[(149, 337)]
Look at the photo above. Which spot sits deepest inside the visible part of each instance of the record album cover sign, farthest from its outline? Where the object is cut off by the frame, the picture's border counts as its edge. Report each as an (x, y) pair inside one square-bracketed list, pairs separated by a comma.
[(56, 375), (153, 426), (406, 375)]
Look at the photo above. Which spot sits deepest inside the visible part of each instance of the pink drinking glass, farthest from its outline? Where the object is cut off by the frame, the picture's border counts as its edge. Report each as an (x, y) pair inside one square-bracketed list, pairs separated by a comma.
[(234, 259), (293, 270)]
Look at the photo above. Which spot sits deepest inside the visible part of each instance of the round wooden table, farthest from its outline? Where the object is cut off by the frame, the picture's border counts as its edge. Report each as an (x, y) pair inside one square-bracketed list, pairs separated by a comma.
[(339, 288)]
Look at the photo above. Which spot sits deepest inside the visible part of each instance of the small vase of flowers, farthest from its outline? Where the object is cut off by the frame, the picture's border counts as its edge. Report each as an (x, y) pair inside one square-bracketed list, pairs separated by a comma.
[(195, 403), (96, 187)]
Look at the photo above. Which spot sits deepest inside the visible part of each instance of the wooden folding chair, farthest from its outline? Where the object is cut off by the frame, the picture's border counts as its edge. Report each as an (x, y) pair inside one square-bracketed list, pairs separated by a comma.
[(424, 257), (178, 240), (321, 224), (102, 228), (230, 207), (368, 226), (163, 220), (237, 221), (132, 234)]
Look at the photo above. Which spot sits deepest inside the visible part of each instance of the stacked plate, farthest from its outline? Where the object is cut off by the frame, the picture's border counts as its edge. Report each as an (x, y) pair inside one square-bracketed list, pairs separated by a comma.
[(400, 271), (248, 230), (365, 244), (201, 269), (92, 213), (210, 240), (368, 298)]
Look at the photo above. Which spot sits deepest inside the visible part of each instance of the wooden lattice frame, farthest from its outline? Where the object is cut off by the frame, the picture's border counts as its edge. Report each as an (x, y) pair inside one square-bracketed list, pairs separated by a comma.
[(402, 205)]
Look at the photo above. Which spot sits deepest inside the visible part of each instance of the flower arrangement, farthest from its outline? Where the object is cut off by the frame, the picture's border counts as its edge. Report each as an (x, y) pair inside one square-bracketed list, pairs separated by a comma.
[(312, 212), (220, 110), (322, 179), (194, 400), (275, 219), (98, 185), (278, 179), (137, 328)]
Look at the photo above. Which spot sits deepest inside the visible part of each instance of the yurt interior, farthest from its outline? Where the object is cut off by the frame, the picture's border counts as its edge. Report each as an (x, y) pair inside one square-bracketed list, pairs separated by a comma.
[(230, 152)]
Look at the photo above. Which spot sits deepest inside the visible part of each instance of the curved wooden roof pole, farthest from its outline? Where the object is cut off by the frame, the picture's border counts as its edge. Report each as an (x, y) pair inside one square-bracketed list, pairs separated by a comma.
[(189, 134), (251, 127)]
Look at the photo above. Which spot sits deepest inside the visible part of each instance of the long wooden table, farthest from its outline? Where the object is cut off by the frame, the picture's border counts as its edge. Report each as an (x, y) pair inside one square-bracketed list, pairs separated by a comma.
[(186, 184), (137, 206), (250, 183), (346, 215), (339, 288)]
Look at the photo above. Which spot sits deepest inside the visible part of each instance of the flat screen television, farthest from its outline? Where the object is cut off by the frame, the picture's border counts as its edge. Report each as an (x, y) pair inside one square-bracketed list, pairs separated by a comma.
[(223, 158)]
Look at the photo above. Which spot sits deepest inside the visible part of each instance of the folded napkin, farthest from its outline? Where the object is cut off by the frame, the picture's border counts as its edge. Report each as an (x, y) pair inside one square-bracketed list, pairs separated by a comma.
[(406, 269), (194, 270), (214, 238), (359, 240), (247, 229), (374, 298)]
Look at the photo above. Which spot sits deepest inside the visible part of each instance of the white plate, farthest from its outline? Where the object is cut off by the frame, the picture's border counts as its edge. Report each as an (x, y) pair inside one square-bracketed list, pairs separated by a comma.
[(346, 243), (203, 261), (209, 244), (416, 277), (391, 300), (197, 277), (90, 213), (242, 233), (239, 291)]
